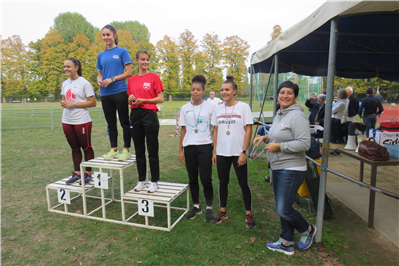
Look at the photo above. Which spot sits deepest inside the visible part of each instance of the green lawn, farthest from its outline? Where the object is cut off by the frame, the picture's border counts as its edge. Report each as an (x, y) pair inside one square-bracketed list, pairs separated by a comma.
[(31, 235)]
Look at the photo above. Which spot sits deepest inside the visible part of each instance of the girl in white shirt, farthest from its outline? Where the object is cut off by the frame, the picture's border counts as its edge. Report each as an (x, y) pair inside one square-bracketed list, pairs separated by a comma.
[(77, 95), (196, 145), (232, 123)]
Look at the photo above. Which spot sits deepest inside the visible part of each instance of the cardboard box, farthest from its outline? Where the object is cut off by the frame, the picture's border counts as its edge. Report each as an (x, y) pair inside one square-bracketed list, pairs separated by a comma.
[(387, 138)]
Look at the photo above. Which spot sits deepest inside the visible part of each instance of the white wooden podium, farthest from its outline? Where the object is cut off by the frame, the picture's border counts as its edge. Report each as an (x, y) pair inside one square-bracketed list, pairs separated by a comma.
[(146, 202)]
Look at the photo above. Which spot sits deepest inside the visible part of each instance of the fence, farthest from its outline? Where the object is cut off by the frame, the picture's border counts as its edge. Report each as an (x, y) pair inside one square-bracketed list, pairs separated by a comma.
[(41, 117)]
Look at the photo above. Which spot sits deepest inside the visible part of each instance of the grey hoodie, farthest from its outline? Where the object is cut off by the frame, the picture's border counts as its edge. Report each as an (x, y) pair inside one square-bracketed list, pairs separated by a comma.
[(291, 129)]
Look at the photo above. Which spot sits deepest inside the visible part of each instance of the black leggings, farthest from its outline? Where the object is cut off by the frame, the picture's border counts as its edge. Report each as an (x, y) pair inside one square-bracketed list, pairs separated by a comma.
[(145, 129), (199, 157), (79, 137), (112, 103), (223, 167)]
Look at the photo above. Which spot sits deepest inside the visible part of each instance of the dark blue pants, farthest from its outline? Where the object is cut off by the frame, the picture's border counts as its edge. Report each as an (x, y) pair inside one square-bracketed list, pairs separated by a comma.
[(285, 186)]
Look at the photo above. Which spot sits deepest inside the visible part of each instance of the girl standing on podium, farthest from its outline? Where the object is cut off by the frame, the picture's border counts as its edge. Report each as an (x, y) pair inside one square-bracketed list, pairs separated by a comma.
[(196, 145), (77, 96), (145, 90), (232, 132)]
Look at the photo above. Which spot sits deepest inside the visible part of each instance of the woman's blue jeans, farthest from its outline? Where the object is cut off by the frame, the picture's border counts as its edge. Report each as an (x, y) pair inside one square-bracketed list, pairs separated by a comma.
[(285, 186)]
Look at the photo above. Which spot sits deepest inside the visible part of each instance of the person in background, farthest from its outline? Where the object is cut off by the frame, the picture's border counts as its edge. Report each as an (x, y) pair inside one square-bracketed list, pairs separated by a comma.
[(369, 109), (352, 106), (195, 147), (114, 67), (77, 96), (338, 117), (213, 99), (379, 96), (145, 90), (232, 132), (312, 102), (319, 116), (287, 142)]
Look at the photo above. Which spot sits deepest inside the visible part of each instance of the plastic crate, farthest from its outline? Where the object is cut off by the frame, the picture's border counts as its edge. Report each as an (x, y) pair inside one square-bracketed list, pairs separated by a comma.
[(393, 151)]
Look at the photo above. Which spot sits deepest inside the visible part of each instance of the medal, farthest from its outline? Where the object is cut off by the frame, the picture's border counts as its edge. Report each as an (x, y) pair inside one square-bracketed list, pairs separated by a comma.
[(196, 131), (196, 120), (227, 118)]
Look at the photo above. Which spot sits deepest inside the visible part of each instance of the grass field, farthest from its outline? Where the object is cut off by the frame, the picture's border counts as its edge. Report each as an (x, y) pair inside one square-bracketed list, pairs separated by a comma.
[(35, 157)]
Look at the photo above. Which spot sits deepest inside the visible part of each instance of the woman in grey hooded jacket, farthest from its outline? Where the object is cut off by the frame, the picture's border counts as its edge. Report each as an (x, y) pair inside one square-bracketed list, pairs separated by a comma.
[(288, 139)]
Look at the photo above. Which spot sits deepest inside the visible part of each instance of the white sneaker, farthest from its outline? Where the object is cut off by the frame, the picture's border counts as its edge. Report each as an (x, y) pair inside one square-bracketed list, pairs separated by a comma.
[(153, 187), (140, 186)]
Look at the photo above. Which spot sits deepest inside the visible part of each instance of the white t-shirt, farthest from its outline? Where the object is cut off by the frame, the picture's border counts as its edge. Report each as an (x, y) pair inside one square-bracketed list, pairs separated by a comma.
[(215, 100), (204, 115), (77, 90), (231, 145)]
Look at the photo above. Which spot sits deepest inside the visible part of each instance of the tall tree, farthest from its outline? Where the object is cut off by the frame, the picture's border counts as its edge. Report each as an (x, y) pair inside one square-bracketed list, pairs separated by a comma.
[(138, 31), (14, 59), (54, 52), (169, 64), (199, 61), (37, 87), (235, 53), (187, 49), (89, 69), (71, 24), (126, 41), (276, 32), (212, 50)]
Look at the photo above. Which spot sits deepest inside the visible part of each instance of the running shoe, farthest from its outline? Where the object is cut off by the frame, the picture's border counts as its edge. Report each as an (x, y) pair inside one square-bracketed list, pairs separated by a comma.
[(125, 155), (87, 178), (111, 155), (277, 246), (153, 187), (305, 241), (140, 186), (221, 216), (191, 215), (74, 178), (250, 221), (208, 215)]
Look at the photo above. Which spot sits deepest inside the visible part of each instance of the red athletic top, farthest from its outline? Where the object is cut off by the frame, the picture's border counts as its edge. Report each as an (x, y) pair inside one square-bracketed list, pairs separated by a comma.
[(145, 87)]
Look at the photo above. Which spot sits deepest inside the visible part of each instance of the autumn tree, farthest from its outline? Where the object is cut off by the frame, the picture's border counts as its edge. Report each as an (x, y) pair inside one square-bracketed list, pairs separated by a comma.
[(168, 53), (54, 52), (199, 63), (212, 50), (14, 72), (71, 24), (187, 49), (235, 53), (138, 31), (276, 32)]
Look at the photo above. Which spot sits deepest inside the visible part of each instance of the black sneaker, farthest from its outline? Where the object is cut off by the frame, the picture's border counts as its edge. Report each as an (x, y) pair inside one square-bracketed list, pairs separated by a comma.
[(221, 216), (194, 213), (208, 215), (74, 178), (250, 221), (87, 179)]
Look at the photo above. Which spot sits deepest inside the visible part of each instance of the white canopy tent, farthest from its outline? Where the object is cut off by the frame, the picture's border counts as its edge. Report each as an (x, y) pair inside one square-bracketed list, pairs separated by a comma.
[(357, 39)]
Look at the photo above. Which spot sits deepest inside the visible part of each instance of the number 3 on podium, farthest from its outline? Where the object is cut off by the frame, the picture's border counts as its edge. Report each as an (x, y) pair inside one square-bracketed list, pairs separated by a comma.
[(146, 207)]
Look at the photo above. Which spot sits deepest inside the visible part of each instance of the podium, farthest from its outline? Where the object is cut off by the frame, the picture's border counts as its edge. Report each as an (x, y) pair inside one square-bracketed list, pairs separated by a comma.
[(146, 202)]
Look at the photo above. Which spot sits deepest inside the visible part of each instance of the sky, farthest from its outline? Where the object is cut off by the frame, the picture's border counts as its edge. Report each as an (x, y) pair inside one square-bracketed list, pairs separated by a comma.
[(251, 20)]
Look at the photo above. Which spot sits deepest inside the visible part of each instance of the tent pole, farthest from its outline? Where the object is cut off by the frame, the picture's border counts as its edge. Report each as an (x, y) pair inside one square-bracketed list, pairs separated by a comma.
[(251, 73), (275, 84), (327, 126)]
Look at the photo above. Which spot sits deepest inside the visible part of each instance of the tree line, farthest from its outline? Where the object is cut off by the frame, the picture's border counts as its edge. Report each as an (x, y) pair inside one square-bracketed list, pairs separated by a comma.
[(36, 69)]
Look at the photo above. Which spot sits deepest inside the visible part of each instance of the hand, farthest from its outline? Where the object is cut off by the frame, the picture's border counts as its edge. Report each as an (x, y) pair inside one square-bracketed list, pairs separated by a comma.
[(273, 147), (138, 101), (131, 99), (258, 140), (66, 104), (214, 159), (242, 159), (317, 123), (105, 82), (181, 156)]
